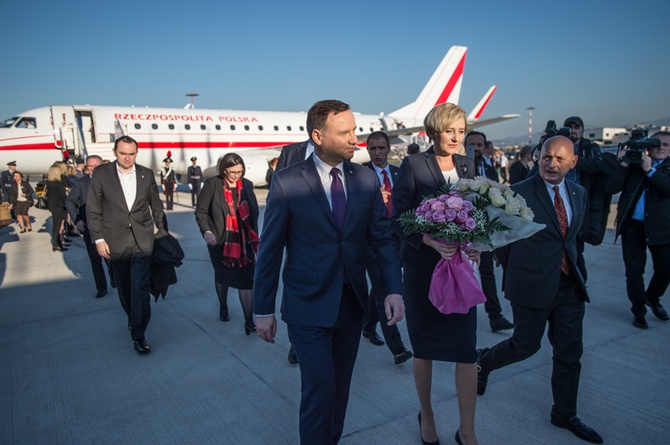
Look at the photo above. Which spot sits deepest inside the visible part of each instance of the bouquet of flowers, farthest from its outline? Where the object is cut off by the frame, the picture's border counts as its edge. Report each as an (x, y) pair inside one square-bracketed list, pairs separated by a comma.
[(479, 214)]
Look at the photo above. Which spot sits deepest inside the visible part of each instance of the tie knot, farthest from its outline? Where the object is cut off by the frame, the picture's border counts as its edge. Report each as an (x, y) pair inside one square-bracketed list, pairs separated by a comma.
[(556, 190), (335, 172), (384, 173)]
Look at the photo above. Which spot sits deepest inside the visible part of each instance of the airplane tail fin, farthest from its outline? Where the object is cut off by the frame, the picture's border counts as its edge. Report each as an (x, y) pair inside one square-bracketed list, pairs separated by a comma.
[(443, 86), (479, 108)]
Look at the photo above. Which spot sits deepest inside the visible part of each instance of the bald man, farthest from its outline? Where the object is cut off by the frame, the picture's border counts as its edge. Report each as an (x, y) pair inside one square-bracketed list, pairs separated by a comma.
[(545, 286)]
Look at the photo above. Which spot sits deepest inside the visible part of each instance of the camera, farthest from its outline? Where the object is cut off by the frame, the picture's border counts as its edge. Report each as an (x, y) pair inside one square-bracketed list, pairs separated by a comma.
[(549, 131), (637, 145)]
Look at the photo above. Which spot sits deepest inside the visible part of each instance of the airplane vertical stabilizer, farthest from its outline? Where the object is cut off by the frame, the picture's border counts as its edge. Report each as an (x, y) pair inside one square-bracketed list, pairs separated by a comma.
[(443, 86), (479, 108)]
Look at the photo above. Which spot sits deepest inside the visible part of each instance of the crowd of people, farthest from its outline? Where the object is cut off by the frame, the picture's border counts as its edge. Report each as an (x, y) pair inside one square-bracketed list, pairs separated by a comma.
[(331, 225)]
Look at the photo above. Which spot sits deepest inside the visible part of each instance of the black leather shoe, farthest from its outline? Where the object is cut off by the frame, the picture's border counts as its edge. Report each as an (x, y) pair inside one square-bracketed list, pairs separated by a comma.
[(500, 323), (141, 346), (578, 428), (101, 293), (482, 375), (659, 311), (292, 357), (639, 321), (457, 438), (402, 357), (374, 338)]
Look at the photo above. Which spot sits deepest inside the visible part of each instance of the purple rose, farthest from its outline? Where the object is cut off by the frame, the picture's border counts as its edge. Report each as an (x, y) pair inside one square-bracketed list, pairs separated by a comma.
[(467, 205), (444, 198), (438, 205), (439, 216), (462, 216), (455, 202), (451, 214), (470, 224), (428, 215)]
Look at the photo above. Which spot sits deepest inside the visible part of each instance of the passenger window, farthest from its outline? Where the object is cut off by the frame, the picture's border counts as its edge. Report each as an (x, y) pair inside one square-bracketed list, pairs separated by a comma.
[(171, 126), (218, 127), (246, 127), (232, 127), (260, 128), (154, 126), (187, 126), (288, 127), (276, 128), (203, 127), (302, 128), (137, 126)]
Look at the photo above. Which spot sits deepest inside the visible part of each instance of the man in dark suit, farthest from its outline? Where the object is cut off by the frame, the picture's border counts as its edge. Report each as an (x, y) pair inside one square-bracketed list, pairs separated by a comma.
[(379, 147), (168, 180), (545, 285), (76, 208), (324, 210), (194, 176), (497, 320), (292, 154), (122, 207)]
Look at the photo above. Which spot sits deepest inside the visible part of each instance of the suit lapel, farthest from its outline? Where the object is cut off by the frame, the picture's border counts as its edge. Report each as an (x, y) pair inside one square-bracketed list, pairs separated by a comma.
[(313, 180), (434, 168), (572, 196), (117, 184)]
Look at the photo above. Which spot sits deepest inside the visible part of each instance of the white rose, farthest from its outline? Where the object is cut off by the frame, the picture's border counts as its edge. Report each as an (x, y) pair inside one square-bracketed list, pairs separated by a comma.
[(496, 197)]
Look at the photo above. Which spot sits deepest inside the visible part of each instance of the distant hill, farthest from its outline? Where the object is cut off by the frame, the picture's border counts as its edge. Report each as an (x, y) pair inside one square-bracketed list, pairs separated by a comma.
[(523, 139)]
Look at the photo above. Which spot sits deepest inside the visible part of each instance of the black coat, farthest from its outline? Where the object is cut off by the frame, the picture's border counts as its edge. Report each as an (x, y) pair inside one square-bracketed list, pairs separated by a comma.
[(167, 255)]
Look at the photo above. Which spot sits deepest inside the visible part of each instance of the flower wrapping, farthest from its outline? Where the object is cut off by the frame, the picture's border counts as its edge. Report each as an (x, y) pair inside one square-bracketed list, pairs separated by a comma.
[(479, 214)]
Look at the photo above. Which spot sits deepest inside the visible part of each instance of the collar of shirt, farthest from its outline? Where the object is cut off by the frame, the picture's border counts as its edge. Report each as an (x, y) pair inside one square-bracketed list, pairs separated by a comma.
[(380, 175), (323, 170), (128, 184), (310, 149)]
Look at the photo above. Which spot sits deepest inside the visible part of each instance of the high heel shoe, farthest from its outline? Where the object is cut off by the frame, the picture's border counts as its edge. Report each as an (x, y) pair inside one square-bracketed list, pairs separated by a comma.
[(30, 229), (458, 438), (249, 328), (59, 248), (23, 231), (437, 442)]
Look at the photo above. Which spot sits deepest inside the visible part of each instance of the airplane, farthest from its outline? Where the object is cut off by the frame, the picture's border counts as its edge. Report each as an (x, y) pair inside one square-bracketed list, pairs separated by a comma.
[(35, 139)]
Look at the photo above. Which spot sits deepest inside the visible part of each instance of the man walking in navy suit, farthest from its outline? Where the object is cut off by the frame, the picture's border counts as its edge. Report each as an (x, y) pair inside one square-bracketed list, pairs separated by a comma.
[(324, 210), (545, 285)]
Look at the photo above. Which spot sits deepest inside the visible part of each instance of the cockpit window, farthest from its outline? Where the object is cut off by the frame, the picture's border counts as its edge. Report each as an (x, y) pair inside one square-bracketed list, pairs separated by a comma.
[(9, 122), (26, 122)]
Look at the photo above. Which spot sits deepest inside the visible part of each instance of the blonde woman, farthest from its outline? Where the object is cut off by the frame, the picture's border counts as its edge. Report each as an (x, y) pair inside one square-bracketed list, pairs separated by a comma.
[(56, 205)]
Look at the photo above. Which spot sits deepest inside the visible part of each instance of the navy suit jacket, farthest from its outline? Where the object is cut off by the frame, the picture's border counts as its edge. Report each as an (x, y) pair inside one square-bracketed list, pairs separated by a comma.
[(532, 266), (109, 217), (76, 199), (292, 154), (298, 217)]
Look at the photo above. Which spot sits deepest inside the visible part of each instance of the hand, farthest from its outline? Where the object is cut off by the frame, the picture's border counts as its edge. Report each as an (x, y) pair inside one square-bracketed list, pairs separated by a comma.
[(394, 307), (621, 156), (210, 239), (103, 249), (445, 250), (266, 328), (473, 256), (81, 227), (386, 196), (646, 163)]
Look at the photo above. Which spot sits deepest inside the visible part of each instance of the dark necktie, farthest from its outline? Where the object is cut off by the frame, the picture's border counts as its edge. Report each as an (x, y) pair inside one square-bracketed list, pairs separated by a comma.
[(338, 198), (563, 223), (388, 188)]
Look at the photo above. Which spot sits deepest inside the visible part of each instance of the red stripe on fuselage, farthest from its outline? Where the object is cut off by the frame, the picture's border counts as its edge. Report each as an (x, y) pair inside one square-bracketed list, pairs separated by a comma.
[(458, 72)]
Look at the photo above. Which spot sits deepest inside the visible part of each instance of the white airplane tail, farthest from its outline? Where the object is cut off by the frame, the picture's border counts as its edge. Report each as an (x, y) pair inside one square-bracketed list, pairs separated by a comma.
[(443, 86), (476, 112)]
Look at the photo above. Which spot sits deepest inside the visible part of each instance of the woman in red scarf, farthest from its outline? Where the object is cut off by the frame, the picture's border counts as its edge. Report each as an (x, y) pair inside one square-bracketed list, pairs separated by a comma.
[(227, 214)]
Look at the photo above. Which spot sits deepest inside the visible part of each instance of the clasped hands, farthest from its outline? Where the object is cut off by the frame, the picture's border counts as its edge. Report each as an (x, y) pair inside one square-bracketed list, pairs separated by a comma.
[(447, 250)]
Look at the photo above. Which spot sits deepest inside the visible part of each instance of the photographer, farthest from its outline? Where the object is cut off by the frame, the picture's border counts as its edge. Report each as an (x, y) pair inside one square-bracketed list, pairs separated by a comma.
[(643, 221)]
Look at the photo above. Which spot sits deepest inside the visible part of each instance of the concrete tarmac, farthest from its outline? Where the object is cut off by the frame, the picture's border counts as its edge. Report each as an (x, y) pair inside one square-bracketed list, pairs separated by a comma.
[(69, 373)]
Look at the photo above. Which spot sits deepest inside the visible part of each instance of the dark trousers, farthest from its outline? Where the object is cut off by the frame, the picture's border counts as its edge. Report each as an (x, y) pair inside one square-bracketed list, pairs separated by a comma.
[(169, 195), (326, 357), (376, 311), (57, 218), (96, 263), (565, 316), (195, 190), (634, 250), (132, 270), (487, 274)]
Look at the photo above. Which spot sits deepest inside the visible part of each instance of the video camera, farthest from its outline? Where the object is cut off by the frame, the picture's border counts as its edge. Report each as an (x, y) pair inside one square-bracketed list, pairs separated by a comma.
[(549, 131), (637, 145)]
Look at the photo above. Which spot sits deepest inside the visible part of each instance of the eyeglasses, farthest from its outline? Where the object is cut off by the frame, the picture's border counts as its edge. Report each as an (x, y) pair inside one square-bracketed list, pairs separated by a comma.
[(238, 173)]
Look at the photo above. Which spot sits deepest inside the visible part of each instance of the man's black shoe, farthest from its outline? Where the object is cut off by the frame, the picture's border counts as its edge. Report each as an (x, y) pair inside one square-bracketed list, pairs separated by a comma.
[(141, 346), (402, 357), (482, 375), (500, 323), (374, 338), (578, 428), (101, 293), (639, 321), (659, 311), (292, 357)]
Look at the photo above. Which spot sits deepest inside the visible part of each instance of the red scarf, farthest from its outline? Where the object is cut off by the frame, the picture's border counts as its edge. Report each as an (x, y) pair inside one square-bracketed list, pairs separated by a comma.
[(235, 237)]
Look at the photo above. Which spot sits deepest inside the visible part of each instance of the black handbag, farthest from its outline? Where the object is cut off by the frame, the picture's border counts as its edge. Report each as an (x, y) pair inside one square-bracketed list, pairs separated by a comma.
[(42, 201)]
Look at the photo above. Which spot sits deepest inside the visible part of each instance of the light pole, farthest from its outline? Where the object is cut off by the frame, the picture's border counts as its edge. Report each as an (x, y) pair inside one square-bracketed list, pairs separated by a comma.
[(530, 124), (192, 95)]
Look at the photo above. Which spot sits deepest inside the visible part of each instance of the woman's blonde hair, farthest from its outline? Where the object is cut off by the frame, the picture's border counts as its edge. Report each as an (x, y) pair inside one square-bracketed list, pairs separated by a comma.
[(440, 118), (54, 173)]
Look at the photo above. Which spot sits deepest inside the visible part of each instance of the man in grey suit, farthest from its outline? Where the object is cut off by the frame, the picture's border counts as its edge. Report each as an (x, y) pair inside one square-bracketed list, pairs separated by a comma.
[(543, 283), (122, 208), (324, 210), (76, 208)]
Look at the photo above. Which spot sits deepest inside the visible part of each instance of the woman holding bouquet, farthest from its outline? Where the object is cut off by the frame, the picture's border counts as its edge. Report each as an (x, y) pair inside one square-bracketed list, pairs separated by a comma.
[(434, 335)]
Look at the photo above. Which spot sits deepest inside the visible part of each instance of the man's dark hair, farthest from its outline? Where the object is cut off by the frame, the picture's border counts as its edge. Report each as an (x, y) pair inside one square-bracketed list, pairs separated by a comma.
[(229, 160), (475, 133), (379, 134), (125, 140), (94, 157), (413, 149), (318, 113)]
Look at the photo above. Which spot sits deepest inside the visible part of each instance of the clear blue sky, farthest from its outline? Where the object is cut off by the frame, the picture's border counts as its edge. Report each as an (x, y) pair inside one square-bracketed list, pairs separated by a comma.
[(601, 60)]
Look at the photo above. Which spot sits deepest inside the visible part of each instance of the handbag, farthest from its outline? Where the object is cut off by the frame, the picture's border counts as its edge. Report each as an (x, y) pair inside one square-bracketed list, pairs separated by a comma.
[(5, 215), (42, 201)]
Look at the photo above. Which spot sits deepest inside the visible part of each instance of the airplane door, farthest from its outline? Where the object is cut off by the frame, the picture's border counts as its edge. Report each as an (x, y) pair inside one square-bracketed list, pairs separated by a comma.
[(66, 130)]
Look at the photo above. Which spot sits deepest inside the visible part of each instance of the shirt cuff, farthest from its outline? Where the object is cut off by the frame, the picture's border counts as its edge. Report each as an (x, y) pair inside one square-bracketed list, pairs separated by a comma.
[(264, 315)]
